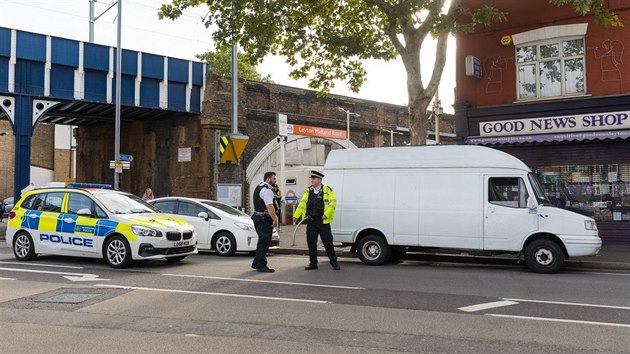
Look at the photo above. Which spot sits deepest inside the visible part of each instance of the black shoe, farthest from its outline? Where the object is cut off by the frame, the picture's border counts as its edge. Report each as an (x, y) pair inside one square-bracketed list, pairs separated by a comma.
[(266, 270), (310, 266), (335, 265)]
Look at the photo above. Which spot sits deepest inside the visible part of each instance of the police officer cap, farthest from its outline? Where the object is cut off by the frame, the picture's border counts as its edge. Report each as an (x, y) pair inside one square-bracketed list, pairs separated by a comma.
[(315, 174)]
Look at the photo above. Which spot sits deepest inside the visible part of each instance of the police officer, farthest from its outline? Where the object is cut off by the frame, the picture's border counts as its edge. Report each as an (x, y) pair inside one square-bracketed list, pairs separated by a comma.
[(265, 219), (318, 205)]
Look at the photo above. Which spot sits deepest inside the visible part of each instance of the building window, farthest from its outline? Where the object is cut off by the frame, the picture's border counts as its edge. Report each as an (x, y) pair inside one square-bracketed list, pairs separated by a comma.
[(552, 68), (599, 191)]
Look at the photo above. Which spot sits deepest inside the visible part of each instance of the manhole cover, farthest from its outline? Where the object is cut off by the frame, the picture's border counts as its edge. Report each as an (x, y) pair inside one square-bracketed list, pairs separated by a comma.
[(68, 298)]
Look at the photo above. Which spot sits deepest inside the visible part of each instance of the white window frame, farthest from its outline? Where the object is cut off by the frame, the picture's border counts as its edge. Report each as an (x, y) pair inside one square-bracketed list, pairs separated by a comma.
[(550, 35), (539, 60)]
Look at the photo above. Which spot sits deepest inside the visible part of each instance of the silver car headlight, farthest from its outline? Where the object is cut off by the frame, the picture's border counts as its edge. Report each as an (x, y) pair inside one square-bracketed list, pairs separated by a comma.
[(590, 225), (245, 226), (145, 231)]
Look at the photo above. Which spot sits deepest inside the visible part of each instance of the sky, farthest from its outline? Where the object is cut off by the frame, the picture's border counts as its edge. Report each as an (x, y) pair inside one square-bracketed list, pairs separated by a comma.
[(187, 36)]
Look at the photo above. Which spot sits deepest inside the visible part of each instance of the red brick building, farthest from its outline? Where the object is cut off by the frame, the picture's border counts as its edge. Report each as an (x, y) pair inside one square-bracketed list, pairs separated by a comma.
[(552, 88)]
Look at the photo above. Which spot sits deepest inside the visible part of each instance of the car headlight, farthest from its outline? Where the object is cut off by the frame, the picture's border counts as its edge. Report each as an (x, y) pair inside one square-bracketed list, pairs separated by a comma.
[(590, 225), (245, 226), (145, 231)]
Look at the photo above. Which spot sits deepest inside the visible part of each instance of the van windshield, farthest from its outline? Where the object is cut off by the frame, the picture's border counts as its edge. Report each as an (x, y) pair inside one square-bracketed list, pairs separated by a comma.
[(541, 198)]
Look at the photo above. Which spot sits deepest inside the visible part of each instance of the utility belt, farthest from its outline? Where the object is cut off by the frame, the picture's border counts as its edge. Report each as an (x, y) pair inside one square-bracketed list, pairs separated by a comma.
[(261, 213)]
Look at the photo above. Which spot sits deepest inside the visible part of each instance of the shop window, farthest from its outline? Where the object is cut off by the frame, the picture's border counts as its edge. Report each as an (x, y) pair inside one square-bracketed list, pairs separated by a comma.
[(553, 68), (507, 191), (599, 191)]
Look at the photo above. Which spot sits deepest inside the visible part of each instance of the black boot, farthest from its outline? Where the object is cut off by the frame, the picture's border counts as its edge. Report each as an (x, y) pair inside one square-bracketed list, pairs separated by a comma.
[(311, 266), (335, 265)]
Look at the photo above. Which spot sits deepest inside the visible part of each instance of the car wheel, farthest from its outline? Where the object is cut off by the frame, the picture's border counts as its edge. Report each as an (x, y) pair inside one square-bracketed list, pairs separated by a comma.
[(23, 247), (224, 244), (373, 250), (175, 259), (117, 252), (544, 256)]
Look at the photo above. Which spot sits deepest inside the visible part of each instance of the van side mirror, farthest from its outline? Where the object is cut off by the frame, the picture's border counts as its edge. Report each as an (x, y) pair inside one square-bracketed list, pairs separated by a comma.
[(532, 205), (203, 215), (84, 212)]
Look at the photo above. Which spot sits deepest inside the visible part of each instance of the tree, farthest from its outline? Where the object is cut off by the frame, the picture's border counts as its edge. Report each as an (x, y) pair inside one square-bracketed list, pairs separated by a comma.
[(220, 63), (327, 40)]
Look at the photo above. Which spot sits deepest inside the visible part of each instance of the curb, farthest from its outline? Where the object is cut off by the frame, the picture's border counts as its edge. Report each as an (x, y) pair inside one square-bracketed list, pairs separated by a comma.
[(450, 258)]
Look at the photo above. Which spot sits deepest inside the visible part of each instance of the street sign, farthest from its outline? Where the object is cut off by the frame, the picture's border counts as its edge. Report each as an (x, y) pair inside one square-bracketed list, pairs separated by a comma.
[(123, 165), (123, 157), (316, 131), (281, 124), (231, 148)]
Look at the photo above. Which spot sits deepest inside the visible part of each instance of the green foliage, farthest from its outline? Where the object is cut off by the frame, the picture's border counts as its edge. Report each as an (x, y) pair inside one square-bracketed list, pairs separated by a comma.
[(220, 63), (602, 14), (328, 40)]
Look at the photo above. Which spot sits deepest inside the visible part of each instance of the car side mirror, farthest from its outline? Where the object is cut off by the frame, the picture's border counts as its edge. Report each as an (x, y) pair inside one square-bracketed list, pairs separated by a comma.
[(532, 205), (203, 215), (84, 212)]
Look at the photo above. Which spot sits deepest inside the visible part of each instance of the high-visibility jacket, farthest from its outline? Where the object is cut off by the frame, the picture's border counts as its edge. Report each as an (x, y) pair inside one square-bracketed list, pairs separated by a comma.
[(330, 203)]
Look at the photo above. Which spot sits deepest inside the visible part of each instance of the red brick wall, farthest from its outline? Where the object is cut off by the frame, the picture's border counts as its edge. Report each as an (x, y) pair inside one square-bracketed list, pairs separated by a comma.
[(498, 86)]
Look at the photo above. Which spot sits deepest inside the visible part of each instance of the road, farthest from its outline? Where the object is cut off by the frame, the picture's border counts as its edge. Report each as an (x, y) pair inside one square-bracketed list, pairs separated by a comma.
[(213, 304)]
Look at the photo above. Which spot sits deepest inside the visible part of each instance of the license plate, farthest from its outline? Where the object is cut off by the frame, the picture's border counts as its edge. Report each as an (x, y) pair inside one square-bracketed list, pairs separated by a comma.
[(181, 243)]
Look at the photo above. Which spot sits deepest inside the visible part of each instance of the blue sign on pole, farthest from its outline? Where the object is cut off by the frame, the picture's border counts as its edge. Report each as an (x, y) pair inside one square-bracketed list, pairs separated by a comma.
[(123, 157), (291, 197)]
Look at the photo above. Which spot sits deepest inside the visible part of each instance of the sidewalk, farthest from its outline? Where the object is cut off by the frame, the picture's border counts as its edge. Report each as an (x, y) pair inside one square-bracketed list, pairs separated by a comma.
[(613, 256)]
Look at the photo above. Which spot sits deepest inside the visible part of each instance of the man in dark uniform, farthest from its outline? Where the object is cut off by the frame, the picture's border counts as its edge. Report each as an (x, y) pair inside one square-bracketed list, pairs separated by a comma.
[(265, 219), (318, 205)]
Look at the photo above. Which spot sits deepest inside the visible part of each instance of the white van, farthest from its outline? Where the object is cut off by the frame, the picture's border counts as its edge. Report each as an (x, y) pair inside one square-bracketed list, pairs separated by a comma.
[(471, 198)]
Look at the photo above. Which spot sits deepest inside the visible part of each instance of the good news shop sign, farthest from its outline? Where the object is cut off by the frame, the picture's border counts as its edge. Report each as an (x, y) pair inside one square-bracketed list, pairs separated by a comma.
[(576, 123)]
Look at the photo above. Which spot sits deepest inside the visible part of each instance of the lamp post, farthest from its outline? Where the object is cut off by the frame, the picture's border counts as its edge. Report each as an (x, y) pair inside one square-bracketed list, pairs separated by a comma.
[(437, 113), (348, 114)]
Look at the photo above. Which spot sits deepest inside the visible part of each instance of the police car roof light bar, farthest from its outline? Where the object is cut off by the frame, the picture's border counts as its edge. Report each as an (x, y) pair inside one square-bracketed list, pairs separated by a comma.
[(89, 185)]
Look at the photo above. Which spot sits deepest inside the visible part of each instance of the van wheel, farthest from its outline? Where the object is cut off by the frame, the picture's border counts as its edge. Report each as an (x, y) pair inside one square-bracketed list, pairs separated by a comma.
[(117, 252), (224, 244), (544, 256), (23, 247), (373, 250)]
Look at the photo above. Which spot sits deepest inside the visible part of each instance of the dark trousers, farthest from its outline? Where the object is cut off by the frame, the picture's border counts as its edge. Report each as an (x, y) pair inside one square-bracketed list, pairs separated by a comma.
[(264, 229), (313, 229)]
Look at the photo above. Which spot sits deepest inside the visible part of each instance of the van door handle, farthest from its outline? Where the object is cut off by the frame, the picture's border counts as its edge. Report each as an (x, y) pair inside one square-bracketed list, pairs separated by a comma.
[(68, 220), (33, 216), (491, 209)]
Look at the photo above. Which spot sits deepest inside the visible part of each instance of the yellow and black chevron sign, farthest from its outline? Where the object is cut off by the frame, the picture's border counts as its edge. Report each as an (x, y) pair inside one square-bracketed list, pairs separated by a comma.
[(231, 148)]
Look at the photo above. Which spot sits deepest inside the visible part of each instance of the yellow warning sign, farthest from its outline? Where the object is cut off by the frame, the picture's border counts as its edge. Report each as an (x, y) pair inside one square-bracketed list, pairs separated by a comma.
[(231, 148)]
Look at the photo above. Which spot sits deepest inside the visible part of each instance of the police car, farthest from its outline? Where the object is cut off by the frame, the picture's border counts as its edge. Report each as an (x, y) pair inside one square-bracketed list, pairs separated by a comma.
[(86, 220)]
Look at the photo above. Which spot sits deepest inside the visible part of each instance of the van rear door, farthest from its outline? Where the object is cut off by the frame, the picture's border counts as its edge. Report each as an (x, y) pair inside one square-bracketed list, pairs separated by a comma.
[(507, 220)]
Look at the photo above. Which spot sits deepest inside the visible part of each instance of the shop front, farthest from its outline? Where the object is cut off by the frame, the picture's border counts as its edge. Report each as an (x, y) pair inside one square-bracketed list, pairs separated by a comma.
[(579, 149)]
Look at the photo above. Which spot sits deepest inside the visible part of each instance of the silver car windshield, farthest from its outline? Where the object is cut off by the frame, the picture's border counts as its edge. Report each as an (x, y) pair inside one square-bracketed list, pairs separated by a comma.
[(118, 203), (224, 208)]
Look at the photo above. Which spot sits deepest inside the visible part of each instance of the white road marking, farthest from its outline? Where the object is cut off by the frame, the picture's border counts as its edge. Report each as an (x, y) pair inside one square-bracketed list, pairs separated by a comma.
[(7, 278), (488, 305), (265, 281), (210, 293), (562, 320), (69, 276), (570, 304), (42, 265), (602, 273)]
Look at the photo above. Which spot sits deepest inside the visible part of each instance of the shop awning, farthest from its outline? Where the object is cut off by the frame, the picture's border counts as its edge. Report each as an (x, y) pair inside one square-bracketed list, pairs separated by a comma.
[(548, 138)]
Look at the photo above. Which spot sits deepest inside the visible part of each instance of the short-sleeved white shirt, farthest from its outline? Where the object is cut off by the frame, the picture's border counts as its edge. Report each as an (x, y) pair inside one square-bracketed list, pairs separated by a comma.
[(266, 194)]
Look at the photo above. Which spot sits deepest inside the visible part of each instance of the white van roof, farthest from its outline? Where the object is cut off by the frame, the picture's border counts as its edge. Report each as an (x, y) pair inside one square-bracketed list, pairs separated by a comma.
[(435, 156)]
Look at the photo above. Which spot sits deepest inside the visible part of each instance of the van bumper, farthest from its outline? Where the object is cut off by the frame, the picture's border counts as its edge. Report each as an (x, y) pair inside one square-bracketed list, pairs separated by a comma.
[(582, 246)]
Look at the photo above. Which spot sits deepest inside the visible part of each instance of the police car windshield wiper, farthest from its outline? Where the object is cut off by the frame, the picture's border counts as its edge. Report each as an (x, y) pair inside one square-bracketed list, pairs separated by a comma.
[(139, 211)]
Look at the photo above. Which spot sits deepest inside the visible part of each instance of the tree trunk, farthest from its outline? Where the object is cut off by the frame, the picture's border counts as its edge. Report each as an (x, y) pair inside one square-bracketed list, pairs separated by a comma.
[(418, 104)]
